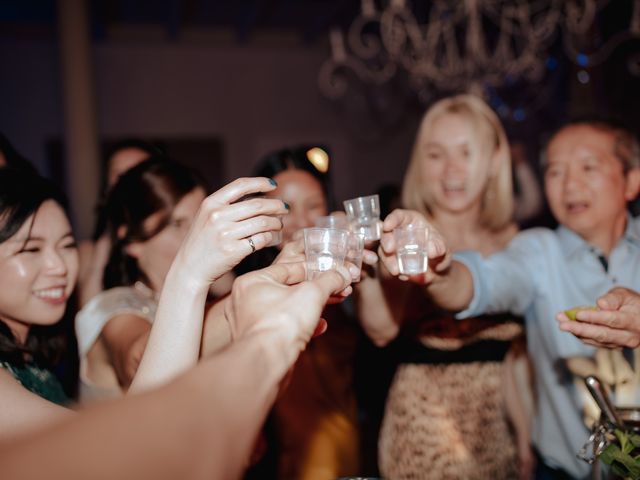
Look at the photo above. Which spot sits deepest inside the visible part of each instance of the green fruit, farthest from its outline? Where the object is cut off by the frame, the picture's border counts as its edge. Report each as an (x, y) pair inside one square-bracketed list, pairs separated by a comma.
[(571, 313)]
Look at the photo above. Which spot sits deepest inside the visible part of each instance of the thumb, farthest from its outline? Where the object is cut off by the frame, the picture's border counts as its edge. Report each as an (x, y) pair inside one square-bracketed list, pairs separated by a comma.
[(611, 301), (332, 281)]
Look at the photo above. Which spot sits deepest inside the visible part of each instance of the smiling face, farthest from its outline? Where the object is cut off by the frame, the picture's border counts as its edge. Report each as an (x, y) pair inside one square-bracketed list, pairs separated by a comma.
[(455, 164), (305, 197), (585, 183), (38, 270), (155, 255)]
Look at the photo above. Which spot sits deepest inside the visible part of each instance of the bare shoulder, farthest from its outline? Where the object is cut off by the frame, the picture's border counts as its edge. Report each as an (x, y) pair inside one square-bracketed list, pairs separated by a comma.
[(23, 410)]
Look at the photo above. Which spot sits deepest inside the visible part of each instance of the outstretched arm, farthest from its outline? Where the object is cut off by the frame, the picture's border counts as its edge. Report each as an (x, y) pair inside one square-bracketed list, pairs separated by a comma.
[(225, 397), (217, 241), (448, 283)]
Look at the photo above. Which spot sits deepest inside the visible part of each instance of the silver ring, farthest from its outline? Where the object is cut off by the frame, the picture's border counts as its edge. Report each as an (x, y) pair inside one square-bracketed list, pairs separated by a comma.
[(253, 247)]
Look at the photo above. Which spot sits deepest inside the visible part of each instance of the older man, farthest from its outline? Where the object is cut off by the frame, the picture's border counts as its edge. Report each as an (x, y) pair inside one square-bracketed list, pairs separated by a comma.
[(592, 170)]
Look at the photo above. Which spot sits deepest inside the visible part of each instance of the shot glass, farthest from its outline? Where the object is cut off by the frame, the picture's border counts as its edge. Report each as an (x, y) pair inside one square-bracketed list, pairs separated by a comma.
[(355, 251), (364, 216), (338, 222), (411, 249), (324, 249)]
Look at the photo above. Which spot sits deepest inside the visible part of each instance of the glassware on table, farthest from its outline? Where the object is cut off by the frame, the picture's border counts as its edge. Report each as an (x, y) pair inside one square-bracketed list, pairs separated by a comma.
[(363, 214), (411, 249), (324, 249)]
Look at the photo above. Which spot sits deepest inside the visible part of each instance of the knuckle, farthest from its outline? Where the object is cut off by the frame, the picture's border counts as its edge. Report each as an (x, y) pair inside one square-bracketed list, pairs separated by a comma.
[(600, 337)]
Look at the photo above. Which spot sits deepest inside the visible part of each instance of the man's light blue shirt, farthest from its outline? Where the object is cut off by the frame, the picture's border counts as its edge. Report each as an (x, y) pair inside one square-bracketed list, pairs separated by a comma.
[(540, 273)]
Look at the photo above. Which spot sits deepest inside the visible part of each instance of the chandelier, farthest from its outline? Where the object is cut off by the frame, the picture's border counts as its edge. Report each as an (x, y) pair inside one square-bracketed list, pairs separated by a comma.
[(470, 45)]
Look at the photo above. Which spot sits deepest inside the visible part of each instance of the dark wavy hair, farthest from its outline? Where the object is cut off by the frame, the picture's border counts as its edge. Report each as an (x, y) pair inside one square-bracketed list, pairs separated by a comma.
[(294, 158), (155, 185), (150, 149), (22, 192)]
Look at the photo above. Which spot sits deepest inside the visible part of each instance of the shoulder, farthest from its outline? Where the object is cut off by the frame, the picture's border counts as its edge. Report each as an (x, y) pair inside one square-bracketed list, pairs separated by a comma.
[(537, 236), (502, 237), (107, 305), (120, 300)]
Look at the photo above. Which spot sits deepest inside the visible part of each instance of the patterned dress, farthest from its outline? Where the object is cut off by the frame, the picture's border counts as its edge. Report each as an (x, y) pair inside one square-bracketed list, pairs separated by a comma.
[(445, 416)]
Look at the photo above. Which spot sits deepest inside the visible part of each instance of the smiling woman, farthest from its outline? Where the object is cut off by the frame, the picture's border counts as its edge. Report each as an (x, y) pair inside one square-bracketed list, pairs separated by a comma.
[(38, 271)]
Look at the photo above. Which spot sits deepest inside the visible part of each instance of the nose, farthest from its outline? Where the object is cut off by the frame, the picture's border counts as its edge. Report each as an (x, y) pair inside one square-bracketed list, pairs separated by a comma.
[(55, 262), (571, 179), (453, 166)]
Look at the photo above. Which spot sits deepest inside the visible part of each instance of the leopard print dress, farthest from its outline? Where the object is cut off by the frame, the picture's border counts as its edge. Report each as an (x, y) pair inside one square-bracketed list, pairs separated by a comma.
[(445, 416)]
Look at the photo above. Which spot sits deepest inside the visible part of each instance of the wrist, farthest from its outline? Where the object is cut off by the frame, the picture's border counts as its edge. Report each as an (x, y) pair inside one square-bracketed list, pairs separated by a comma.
[(181, 280)]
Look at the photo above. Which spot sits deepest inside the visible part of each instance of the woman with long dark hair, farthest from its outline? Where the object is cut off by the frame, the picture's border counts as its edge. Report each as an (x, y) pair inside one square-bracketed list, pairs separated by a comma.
[(38, 272)]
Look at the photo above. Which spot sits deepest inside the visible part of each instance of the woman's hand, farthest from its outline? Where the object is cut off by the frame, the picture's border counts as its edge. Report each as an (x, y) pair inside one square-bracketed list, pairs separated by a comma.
[(437, 249), (226, 230)]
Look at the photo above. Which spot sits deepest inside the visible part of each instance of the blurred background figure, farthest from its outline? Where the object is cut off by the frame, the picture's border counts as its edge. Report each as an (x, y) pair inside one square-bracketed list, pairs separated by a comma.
[(312, 432), (149, 211), (94, 253)]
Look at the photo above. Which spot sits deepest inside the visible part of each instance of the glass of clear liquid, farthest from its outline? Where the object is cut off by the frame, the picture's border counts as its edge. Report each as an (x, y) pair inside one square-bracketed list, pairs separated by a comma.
[(363, 214), (411, 249), (324, 249)]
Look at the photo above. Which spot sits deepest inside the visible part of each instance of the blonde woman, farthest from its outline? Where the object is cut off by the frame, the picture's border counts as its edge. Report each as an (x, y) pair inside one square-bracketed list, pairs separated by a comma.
[(446, 412)]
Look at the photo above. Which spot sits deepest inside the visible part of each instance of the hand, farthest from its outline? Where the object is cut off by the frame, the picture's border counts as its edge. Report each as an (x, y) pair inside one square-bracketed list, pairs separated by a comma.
[(615, 324), (226, 230), (293, 251), (437, 250), (276, 300)]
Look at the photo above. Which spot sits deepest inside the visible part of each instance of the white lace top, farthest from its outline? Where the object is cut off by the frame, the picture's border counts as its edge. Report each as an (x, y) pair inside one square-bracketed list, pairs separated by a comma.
[(138, 300)]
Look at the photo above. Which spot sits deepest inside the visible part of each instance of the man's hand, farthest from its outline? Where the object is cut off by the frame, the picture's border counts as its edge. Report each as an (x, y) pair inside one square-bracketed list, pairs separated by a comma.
[(277, 301), (615, 324)]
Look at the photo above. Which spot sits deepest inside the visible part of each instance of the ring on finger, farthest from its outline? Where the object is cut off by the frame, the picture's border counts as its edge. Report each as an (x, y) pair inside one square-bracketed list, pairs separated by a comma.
[(251, 244)]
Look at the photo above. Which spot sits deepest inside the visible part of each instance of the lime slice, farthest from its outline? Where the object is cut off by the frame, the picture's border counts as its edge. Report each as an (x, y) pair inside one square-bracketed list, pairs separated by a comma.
[(572, 312)]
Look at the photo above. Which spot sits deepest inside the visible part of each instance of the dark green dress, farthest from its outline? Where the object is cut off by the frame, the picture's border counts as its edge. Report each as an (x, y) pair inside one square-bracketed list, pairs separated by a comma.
[(38, 380)]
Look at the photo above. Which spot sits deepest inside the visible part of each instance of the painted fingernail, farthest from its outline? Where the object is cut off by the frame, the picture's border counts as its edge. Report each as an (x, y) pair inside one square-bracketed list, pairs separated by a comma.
[(273, 182), (286, 205)]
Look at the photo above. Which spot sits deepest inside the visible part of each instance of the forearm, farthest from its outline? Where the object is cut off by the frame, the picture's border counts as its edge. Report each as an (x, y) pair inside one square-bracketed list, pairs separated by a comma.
[(215, 334), (380, 307), (174, 342), (453, 289), (200, 426)]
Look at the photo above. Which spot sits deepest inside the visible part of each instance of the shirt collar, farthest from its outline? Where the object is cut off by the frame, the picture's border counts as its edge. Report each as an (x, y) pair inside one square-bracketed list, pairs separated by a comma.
[(572, 243)]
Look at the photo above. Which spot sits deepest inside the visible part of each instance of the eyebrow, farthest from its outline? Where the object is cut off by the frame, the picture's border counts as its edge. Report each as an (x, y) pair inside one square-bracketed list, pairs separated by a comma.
[(42, 239)]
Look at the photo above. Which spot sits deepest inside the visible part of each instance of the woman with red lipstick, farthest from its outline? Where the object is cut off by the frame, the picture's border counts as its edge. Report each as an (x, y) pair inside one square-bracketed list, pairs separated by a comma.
[(446, 412)]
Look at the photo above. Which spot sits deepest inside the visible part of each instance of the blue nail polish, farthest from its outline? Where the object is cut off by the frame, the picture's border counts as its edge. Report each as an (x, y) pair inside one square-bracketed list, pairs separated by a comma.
[(286, 205), (273, 182)]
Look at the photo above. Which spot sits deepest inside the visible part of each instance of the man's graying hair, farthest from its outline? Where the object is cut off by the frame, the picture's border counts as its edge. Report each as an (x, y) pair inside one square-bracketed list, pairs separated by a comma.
[(626, 145)]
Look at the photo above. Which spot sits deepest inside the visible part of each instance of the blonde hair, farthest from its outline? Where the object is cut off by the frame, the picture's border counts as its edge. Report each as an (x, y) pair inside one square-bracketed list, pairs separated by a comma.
[(497, 202)]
